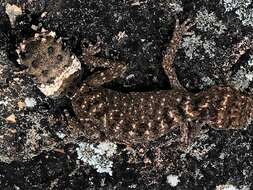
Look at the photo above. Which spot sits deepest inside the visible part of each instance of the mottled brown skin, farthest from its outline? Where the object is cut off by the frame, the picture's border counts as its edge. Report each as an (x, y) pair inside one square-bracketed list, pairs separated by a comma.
[(139, 117), (45, 58)]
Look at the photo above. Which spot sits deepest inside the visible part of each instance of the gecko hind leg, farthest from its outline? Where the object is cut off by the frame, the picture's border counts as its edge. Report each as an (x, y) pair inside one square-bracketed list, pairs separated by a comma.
[(171, 51), (188, 133), (111, 69)]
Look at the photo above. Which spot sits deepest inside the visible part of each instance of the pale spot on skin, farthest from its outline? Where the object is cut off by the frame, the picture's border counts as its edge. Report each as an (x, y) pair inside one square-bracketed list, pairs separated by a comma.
[(162, 124), (147, 132), (105, 121), (204, 105), (219, 122), (131, 133), (224, 103), (173, 116), (187, 109)]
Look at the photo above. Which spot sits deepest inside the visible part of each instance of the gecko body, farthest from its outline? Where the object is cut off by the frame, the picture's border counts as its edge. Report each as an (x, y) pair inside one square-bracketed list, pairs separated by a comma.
[(138, 117)]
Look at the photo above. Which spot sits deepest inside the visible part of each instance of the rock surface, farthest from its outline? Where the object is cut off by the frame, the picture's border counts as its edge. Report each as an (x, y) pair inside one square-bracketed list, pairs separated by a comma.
[(36, 150)]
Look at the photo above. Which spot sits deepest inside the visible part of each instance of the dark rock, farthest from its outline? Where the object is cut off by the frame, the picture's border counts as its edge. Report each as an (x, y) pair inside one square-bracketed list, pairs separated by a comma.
[(34, 152)]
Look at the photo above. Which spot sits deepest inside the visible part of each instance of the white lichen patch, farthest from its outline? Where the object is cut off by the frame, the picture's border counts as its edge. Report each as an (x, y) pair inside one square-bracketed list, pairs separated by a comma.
[(173, 180), (209, 47), (206, 82), (193, 44), (98, 156), (242, 79), (172, 7), (242, 9), (226, 187), (30, 102), (206, 21), (13, 11), (176, 6)]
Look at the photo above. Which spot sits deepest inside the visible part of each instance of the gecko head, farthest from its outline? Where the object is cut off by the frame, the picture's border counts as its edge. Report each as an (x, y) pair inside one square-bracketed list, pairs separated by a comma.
[(52, 67)]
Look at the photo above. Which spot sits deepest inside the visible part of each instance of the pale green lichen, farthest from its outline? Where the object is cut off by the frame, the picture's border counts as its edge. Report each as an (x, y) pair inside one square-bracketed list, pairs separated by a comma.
[(173, 180), (209, 47), (235, 4), (242, 79), (192, 46), (30, 102), (208, 22), (242, 8), (206, 82), (226, 187), (174, 6), (98, 156)]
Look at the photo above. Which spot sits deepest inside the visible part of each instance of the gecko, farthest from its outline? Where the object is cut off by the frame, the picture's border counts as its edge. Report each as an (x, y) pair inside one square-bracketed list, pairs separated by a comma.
[(139, 117)]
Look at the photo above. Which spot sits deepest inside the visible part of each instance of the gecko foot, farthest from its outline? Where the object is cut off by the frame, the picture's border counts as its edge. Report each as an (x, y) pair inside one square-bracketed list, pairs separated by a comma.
[(168, 59), (185, 135), (185, 26), (92, 50)]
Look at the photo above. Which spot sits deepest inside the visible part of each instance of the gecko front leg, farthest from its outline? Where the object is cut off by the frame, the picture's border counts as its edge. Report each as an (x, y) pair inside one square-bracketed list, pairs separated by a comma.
[(170, 54), (111, 69)]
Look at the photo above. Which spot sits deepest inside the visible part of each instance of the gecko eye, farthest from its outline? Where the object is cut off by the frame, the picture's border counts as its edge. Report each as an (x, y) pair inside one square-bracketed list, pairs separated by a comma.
[(50, 50), (44, 72), (35, 64), (59, 57)]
